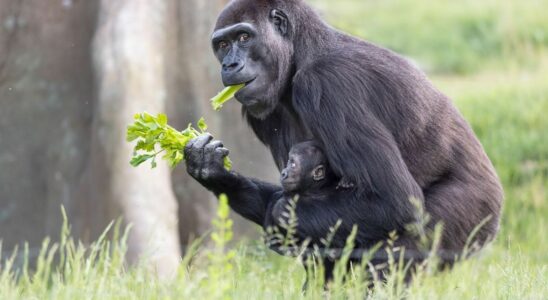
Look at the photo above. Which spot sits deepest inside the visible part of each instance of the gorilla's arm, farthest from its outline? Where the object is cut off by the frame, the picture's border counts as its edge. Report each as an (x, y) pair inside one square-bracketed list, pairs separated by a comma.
[(248, 197), (337, 108), (315, 218)]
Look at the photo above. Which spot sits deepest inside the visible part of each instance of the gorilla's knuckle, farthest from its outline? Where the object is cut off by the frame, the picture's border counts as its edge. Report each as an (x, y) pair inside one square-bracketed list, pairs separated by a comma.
[(222, 151), (205, 174), (209, 148), (217, 144)]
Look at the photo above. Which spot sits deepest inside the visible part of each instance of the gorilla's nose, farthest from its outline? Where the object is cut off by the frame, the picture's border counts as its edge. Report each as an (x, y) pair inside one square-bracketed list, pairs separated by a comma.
[(231, 72), (284, 174), (233, 67)]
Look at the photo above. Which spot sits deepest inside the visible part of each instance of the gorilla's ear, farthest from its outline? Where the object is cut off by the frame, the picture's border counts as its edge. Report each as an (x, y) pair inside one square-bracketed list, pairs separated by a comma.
[(280, 20)]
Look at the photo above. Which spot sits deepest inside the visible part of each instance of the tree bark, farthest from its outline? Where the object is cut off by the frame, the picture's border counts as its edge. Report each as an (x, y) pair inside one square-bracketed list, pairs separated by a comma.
[(130, 59), (65, 103), (46, 99)]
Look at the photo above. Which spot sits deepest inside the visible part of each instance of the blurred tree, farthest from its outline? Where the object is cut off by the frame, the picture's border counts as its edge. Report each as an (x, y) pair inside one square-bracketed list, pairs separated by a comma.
[(130, 59), (64, 106), (46, 100)]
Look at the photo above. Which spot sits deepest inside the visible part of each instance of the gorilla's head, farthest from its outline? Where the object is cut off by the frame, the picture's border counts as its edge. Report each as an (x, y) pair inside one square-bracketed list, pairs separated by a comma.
[(253, 41)]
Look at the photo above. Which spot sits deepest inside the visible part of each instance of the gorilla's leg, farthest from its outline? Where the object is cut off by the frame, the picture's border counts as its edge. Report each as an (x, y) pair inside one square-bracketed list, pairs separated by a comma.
[(448, 202)]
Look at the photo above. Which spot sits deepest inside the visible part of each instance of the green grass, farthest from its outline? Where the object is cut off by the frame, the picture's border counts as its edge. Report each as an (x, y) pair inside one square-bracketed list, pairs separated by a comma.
[(448, 36), (492, 60)]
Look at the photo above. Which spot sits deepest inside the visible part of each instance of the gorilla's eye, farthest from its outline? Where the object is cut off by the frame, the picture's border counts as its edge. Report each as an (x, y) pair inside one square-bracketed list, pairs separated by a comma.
[(244, 37), (223, 45)]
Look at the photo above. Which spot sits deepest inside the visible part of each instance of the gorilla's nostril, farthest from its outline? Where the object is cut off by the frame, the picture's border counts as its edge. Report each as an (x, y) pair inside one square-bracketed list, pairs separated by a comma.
[(230, 67)]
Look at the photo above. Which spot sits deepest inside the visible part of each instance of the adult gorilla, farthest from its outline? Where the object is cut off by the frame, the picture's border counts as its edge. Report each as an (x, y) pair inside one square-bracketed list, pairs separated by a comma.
[(384, 127)]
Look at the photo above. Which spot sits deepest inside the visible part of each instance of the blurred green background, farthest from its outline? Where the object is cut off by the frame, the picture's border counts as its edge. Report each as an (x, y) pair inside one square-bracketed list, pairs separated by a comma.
[(449, 37)]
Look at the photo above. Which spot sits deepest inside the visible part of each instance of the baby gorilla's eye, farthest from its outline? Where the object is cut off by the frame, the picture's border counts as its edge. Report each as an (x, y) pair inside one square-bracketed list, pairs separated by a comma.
[(244, 37), (293, 165)]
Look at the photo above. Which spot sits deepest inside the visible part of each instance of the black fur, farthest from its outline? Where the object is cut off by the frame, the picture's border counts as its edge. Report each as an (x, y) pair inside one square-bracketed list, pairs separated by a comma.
[(311, 197), (383, 125), (307, 170)]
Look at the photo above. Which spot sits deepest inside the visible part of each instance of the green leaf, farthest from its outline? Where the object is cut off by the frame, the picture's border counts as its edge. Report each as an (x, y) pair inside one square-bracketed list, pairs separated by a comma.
[(131, 135), (225, 95), (139, 159), (202, 125), (227, 163), (162, 120), (148, 118)]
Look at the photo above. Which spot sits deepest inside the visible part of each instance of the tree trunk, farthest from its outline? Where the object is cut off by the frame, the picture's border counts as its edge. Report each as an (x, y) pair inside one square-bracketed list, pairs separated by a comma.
[(46, 100), (130, 56), (62, 129)]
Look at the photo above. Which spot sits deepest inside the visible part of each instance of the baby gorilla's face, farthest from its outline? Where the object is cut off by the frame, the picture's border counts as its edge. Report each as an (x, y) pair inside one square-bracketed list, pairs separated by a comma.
[(305, 170)]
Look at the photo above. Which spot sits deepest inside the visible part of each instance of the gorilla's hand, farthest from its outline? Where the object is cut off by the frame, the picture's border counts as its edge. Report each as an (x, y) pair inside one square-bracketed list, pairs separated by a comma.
[(204, 158)]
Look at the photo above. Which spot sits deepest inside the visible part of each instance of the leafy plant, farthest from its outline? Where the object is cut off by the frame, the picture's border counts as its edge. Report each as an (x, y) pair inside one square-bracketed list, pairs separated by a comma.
[(220, 258), (225, 95), (154, 137)]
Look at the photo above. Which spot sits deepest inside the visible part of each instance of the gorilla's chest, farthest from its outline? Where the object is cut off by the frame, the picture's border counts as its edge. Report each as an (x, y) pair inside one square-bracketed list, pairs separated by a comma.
[(280, 131)]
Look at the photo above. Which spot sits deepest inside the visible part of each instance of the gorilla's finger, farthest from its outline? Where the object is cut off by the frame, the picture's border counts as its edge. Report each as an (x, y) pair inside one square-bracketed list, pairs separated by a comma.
[(189, 146), (214, 145), (202, 140), (222, 151), (194, 173), (210, 148), (192, 168), (192, 153)]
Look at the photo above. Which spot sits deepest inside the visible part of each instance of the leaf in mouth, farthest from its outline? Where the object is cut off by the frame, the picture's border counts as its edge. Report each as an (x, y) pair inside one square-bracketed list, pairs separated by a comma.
[(225, 95)]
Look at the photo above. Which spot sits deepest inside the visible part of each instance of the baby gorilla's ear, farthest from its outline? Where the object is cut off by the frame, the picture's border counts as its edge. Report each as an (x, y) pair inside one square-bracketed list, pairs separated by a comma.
[(318, 173)]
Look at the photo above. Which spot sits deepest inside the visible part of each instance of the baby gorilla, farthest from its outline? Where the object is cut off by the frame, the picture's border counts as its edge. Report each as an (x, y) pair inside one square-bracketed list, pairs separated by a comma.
[(308, 179), (307, 170), (310, 182)]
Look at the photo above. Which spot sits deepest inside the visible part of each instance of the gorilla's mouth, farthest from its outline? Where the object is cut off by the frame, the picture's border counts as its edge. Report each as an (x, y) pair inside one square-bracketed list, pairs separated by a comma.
[(241, 92), (250, 81), (252, 97), (289, 185), (245, 92)]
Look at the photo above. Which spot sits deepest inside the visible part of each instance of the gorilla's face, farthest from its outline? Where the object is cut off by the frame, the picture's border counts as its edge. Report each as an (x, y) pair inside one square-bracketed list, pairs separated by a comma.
[(306, 169), (254, 50)]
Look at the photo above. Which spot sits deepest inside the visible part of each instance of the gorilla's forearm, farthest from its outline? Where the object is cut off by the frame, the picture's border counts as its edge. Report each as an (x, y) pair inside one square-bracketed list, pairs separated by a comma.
[(369, 213), (248, 197)]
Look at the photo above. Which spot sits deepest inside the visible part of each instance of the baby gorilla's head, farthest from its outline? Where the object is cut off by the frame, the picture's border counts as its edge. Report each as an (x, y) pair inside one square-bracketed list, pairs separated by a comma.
[(307, 169)]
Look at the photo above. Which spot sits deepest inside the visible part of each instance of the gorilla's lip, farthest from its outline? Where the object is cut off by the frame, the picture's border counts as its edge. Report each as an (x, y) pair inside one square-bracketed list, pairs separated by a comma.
[(243, 89), (250, 81), (246, 84), (289, 183)]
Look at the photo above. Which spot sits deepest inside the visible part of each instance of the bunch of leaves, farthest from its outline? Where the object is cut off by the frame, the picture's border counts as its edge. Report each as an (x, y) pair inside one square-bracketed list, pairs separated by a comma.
[(154, 137), (225, 95)]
